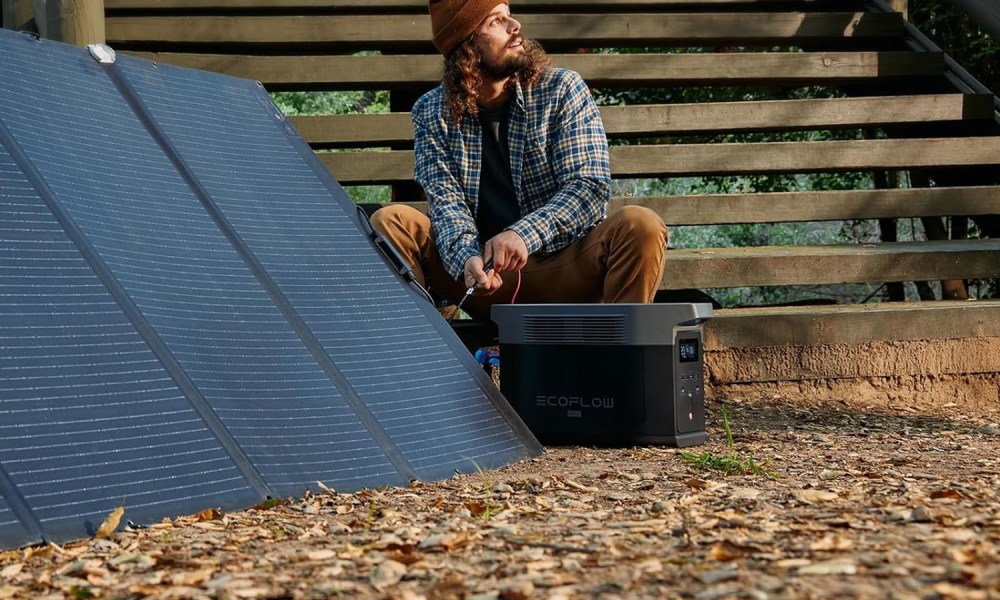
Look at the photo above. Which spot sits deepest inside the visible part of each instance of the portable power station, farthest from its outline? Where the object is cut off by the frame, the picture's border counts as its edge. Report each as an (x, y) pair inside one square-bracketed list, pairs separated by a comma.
[(605, 374)]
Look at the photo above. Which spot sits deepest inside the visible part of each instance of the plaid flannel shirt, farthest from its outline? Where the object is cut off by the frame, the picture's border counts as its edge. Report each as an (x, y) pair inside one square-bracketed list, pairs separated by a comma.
[(559, 162)]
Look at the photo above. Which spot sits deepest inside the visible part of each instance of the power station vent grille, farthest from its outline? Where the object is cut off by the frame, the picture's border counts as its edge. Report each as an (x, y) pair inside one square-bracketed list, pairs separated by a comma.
[(583, 329)]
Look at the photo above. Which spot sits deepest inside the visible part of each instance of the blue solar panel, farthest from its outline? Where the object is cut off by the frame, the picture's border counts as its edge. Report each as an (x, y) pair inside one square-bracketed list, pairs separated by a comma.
[(186, 278), (12, 532), (89, 418), (190, 313), (304, 233)]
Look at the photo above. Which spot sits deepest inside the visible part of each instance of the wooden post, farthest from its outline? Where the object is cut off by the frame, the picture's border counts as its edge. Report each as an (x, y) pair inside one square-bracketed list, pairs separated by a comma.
[(902, 7), (78, 22), (888, 232), (19, 15)]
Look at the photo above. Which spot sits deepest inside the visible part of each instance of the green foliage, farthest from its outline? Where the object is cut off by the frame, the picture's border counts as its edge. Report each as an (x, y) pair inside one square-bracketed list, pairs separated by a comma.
[(376, 194), (730, 463), (331, 103), (372, 512), (949, 27)]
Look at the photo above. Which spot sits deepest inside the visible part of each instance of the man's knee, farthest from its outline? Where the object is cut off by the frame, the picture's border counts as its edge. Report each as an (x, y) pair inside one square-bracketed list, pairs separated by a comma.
[(640, 223), (396, 217)]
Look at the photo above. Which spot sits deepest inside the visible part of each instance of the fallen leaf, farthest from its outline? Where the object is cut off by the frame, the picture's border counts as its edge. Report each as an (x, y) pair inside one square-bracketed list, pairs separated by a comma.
[(191, 578), (443, 541), (950, 590), (11, 571), (209, 514), (792, 563), (477, 507), (696, 484), (650, 565), (110, 523), (946, 494), (387, 574), (406, 558), (541, 565), (517, 590), (815, 496), (577, 486), (745, 494), (832, 542), (962, 556), (726, 550), (837, 566), (321, 555), (448, 587), (713, 577), (147, 589)]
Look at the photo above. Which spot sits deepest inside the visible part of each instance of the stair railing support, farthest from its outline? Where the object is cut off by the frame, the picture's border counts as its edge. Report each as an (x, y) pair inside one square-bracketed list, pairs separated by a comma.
[(19, 15), (78, 22)]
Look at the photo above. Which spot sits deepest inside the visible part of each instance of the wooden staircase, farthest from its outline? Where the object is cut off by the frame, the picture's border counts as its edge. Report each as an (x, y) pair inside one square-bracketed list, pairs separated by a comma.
[(913, 109)]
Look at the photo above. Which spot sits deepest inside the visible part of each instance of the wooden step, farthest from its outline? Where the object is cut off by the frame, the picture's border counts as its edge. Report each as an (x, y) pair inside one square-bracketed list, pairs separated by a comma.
[(852, 324), (395, 71), (792, 115), (379, 32), (722, 209), (787, 207), (351, 168), (813, 265), (802, 157), (421, 5), (672, 119)]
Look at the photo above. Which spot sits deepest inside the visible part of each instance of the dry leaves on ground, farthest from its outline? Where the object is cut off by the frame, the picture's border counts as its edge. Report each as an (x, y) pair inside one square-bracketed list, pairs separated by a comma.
[(867, 504)]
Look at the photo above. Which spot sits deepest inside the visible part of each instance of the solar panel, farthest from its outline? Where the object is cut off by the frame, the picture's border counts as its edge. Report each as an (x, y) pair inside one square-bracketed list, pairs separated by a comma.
[(317, 257), (192, 314), (90, 418)]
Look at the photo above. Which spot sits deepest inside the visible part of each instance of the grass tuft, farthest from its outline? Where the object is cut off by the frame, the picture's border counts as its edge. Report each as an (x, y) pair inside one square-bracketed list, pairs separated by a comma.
[(731, 463)]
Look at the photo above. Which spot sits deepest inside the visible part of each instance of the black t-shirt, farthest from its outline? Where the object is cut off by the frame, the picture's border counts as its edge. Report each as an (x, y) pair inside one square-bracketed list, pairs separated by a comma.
[(497, 202)]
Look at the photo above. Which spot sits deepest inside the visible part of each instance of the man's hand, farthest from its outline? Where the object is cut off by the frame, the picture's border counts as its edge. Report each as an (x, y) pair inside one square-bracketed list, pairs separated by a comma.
[(508, 251), (485, 282)]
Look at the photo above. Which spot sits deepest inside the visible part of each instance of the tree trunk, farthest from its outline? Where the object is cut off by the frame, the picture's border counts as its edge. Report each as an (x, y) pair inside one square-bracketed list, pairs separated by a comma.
[(78, 22)]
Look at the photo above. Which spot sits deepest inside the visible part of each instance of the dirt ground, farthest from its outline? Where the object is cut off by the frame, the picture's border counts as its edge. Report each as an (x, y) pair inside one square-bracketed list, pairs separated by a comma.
[(863, 501)]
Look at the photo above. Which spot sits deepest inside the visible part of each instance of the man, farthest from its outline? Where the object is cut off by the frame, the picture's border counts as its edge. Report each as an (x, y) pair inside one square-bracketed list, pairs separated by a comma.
[(513, 159)]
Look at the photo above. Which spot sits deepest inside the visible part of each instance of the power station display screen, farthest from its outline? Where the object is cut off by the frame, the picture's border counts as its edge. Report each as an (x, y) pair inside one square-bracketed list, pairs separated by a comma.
[(688, 350)]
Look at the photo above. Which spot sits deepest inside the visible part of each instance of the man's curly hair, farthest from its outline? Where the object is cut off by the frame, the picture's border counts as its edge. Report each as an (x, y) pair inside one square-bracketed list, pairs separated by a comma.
[(463, 75)]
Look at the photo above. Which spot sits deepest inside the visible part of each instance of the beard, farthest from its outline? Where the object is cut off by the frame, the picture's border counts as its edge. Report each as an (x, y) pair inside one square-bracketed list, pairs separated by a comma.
[(505, 66)]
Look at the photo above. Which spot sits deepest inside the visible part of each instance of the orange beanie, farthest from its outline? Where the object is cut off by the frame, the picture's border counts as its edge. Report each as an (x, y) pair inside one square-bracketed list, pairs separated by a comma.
[(454, 20)]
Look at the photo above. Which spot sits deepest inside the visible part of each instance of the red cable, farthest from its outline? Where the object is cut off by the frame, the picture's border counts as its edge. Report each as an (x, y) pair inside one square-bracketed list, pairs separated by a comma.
[(516, 289)]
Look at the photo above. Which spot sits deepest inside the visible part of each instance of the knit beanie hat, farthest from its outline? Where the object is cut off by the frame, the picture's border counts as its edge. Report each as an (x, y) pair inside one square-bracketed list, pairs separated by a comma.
[(454, 20)]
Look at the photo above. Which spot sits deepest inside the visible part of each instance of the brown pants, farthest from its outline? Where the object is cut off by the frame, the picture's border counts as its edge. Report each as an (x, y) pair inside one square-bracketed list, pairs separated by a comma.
[(620, 260)]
